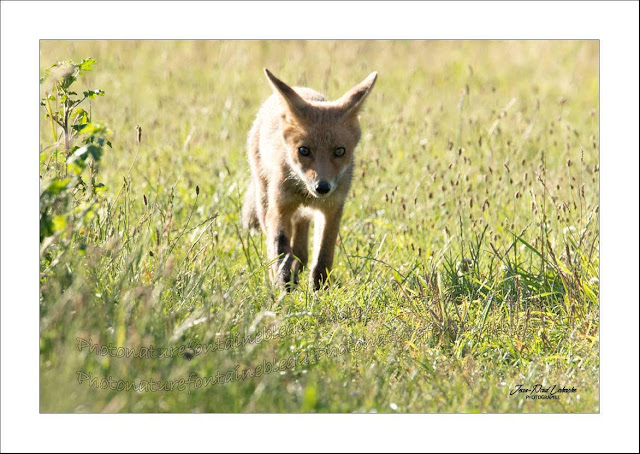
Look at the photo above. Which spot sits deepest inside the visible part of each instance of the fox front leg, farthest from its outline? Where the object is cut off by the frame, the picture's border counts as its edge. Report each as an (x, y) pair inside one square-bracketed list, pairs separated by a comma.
[(300, 245), (279, 230), (326, 229)]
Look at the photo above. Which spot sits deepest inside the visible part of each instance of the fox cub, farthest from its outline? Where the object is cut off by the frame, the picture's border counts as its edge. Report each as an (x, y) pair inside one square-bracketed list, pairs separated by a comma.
[(301, 153)]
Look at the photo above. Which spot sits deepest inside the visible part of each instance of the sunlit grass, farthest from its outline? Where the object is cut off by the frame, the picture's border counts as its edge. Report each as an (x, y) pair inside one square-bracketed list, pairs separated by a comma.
[(470, 240)]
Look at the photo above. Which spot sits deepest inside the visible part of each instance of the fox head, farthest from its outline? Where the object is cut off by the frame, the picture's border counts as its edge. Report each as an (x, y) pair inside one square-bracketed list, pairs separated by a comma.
[(319, 135)]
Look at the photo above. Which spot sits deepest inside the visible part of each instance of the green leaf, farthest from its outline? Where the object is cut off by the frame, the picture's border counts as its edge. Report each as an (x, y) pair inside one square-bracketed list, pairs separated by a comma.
[(46, 226), (58, 185), (82, 153), (94, 129), (310, 398), (102, 141), (67, 81), (93, 93), (80, 115), (100, 188), (87, 64), (75, 167), (59, 223), (95, 151)]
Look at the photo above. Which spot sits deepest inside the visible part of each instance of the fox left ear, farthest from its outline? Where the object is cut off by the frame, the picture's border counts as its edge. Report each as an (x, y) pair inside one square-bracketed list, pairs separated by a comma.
[(352, 100)]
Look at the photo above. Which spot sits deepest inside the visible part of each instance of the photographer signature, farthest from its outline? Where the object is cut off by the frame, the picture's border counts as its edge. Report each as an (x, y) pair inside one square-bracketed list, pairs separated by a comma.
[(539, 389)]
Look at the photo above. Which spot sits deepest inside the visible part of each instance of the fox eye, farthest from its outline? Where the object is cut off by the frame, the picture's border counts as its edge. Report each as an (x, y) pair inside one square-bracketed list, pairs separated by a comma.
[(339, 151), (304, 151)]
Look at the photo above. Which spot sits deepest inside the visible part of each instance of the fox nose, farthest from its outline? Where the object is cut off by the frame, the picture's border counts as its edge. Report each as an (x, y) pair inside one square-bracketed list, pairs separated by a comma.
[(323, 187)]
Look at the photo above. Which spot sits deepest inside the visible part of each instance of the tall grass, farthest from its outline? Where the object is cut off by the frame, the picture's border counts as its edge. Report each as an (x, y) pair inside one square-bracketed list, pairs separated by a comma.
[(468, 254)]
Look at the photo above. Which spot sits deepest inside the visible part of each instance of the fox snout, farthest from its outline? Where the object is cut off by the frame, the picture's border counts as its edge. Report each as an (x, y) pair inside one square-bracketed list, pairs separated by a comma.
[(321, 188), (320, 184)]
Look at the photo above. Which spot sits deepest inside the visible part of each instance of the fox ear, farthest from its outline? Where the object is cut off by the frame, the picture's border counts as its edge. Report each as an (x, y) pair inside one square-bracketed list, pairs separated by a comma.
[(352, 100), (294, 101)]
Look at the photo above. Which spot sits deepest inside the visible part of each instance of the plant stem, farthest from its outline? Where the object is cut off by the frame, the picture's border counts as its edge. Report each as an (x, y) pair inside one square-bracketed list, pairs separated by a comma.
[(53, 127)]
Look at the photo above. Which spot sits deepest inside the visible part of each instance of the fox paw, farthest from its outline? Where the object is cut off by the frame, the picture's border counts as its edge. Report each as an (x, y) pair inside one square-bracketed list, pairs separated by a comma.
[(319, 279), (285, 277)]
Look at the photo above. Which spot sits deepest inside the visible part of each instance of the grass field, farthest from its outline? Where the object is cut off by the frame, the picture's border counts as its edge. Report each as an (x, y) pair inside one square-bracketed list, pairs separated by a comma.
[(468, 254)]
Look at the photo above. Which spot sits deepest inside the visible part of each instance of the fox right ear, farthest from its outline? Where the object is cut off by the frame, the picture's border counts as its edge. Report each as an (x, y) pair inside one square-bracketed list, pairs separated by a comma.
[(294, 101)]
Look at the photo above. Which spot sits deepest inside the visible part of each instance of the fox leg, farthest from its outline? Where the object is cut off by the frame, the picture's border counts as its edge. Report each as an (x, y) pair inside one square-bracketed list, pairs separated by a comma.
[(326, 227), (250, 209), (300, 244), (279, 230)]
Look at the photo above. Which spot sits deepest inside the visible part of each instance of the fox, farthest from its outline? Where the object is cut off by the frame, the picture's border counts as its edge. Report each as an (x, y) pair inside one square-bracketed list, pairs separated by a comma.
[(301, 155)]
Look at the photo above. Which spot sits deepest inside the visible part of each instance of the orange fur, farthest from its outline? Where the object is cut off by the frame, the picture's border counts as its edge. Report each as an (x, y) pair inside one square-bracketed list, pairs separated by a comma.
[(289, 188)]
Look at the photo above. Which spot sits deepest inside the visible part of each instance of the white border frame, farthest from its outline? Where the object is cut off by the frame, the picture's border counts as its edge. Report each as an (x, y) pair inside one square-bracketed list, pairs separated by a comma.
[(615, 24)]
